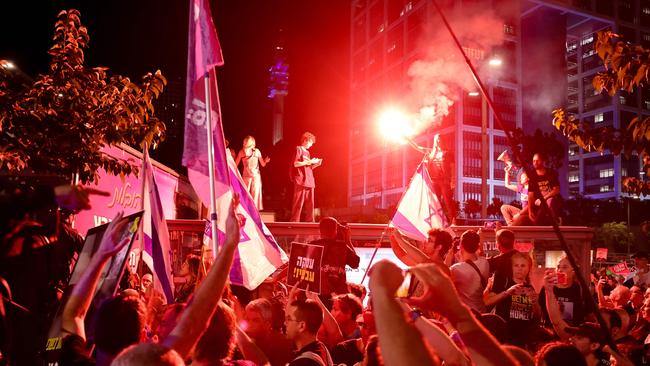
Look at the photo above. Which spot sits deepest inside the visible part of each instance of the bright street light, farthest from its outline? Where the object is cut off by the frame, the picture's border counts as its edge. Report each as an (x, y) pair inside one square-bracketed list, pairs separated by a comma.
[(7, 64), (495, 61)]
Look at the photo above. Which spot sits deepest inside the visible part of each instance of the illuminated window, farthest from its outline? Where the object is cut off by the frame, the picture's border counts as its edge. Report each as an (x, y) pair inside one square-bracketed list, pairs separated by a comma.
[(599, 118), (587, 40), (571, 46), (646, 10), (574, 178), (606, 173), (605, 188)]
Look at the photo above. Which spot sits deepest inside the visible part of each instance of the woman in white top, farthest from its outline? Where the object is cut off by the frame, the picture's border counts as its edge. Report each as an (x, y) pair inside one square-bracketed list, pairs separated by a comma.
[(252, 159)]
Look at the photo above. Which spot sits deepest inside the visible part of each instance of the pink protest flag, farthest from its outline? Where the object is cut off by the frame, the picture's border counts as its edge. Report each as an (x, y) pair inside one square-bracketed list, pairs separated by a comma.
[(258, 254)]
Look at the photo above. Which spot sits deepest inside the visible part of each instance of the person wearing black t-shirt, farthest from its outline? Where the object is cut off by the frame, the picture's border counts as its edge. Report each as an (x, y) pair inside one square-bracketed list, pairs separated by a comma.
[(501, 264), (337, 254), (517, 303), (549, 187), (573, 307)]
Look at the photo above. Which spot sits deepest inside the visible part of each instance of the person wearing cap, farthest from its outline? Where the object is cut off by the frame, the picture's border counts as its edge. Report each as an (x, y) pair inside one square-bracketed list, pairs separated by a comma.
[(588, 339), (642, 274)]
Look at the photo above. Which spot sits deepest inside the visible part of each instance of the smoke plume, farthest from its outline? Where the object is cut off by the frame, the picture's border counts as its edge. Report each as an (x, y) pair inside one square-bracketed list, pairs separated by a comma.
[(440, 76)]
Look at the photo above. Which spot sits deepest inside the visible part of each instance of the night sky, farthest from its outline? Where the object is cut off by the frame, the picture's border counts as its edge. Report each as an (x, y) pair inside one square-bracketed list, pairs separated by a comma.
[(135, 37)]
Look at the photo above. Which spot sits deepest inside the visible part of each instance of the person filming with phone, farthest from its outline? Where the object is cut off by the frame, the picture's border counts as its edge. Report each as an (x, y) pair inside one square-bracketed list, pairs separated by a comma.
[(338, 253), (566, 292)]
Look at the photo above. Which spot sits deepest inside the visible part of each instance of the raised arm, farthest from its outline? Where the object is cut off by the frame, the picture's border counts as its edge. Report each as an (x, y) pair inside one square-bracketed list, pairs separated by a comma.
[(441, 297), (439, 340), (351, 257), (263, 161), (400, 342), (422, 149), (553, 307), (329, 332), (249, 349), (77, 306), (508, 184), (415, 255), (197, 315)]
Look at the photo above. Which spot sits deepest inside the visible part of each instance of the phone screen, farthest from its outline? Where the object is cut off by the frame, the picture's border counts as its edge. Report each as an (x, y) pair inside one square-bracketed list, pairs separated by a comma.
[(405, 288)]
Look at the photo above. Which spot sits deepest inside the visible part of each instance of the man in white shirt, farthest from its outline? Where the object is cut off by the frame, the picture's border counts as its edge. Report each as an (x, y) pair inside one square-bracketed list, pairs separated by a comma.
[(471, 274)]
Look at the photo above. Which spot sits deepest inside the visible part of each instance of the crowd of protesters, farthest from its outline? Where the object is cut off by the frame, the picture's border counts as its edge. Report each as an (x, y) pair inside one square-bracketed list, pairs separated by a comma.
[(462, 309)]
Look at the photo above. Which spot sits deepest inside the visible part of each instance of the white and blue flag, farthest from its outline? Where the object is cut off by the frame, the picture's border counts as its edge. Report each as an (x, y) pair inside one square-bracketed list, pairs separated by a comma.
[(419, 209)]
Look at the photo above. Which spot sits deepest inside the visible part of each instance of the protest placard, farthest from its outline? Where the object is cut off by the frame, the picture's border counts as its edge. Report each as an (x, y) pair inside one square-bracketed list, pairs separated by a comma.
[(305, 266)]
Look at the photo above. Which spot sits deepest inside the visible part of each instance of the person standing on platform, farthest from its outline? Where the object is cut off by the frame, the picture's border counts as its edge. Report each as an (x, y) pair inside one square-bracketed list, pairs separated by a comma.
[(441, 170), (302, 176), (252, 158)]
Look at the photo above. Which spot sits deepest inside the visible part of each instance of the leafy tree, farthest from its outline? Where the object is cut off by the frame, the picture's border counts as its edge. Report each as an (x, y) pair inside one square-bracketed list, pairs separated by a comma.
[(59, 122), (626, 68), (472, 207), (494, 208), (613, 235)]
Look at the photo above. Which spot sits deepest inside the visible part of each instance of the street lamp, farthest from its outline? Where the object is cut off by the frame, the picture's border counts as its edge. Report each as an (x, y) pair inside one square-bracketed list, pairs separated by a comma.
[(7, 64), (495, 61)]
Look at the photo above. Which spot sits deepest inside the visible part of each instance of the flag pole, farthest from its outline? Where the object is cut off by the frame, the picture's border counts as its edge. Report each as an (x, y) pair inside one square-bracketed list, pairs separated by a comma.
[(213, 196), (533, 186), (216, 92), (145, 150), (381, 239)]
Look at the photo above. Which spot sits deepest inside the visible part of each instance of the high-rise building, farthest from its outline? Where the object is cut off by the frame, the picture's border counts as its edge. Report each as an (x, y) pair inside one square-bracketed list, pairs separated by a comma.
[(548, 61), (595, 174), (387, 37)]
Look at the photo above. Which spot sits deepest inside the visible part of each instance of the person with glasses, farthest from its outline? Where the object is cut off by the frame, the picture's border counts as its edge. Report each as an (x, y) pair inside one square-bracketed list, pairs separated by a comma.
[(302, 321), (351, 351)]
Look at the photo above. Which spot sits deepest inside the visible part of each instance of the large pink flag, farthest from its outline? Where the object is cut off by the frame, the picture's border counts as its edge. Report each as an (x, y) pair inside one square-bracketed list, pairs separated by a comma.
[(258, 254)]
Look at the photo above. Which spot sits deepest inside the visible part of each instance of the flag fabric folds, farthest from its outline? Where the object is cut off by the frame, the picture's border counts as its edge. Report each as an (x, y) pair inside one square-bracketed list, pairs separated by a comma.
[(258, 254), (156, 251), (419, 209), (204, 53)]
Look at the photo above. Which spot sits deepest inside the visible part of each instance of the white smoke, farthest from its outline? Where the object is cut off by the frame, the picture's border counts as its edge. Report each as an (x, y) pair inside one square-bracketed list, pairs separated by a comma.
[(441, 75)]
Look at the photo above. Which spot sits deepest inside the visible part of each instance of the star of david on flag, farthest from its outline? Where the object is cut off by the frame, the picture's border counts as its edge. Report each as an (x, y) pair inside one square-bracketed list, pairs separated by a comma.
[(419, 209)]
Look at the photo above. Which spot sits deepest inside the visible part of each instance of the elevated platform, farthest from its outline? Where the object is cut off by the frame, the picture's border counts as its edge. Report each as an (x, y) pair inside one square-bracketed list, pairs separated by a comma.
[(543, 241)]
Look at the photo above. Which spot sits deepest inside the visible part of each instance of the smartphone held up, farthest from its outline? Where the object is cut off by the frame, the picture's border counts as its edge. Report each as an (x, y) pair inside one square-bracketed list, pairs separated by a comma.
[(407, 287)]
